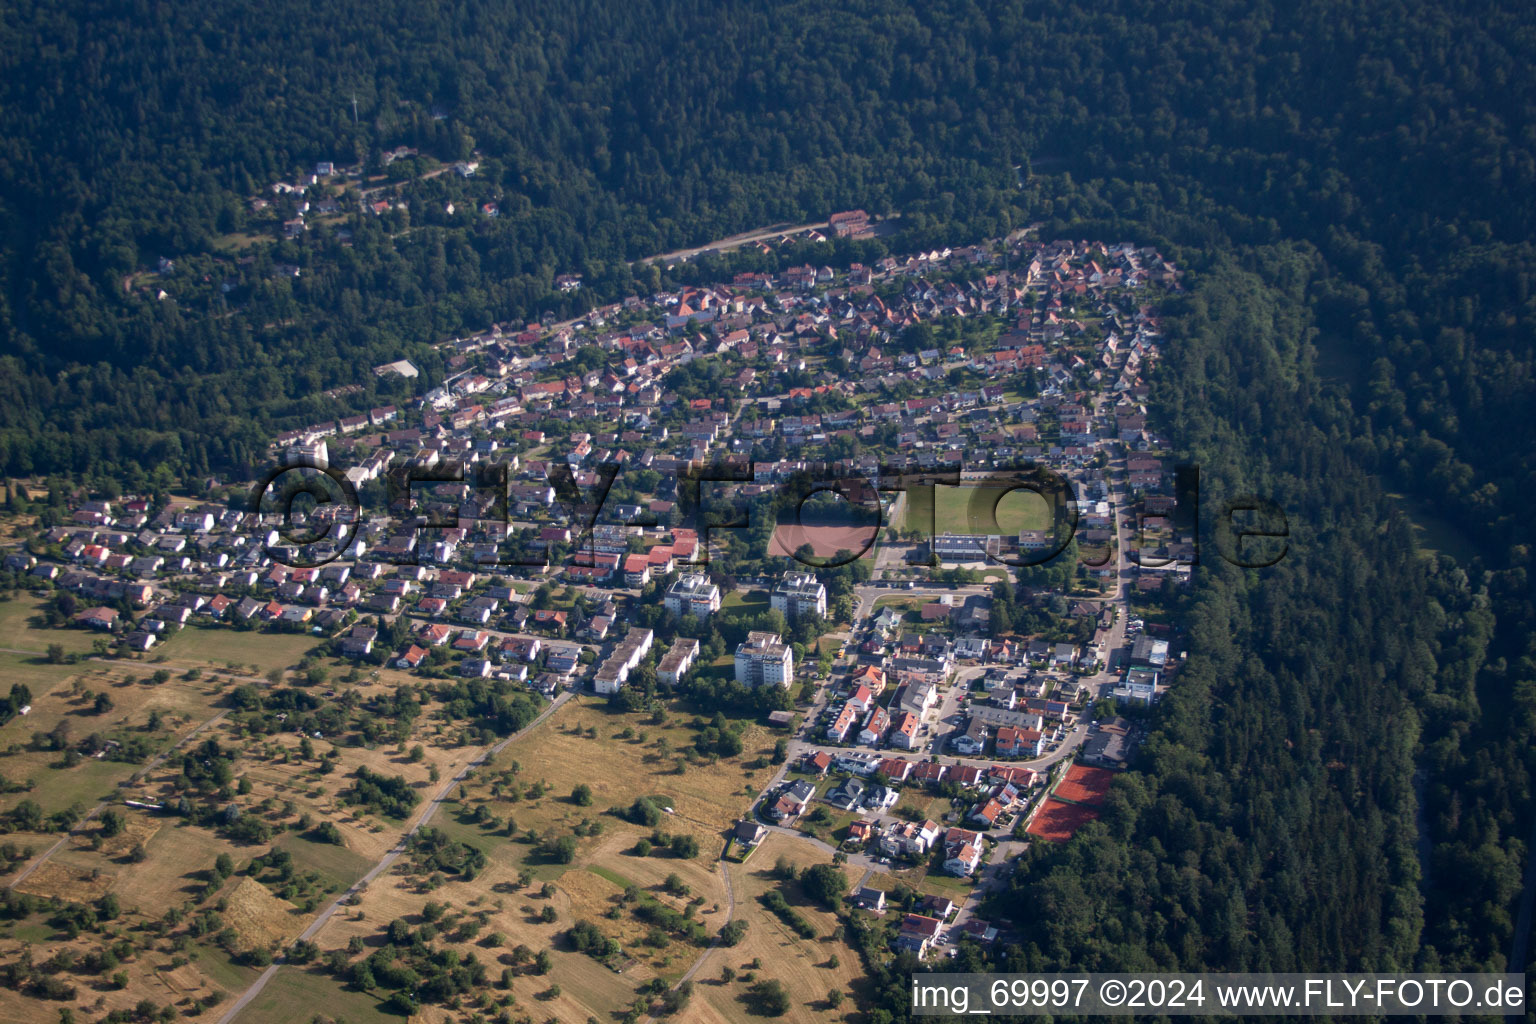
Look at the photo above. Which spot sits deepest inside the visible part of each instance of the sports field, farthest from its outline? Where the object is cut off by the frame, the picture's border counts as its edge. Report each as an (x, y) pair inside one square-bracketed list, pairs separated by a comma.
[(1085, 785), (1058, 821), (825, 541), (974, 509)]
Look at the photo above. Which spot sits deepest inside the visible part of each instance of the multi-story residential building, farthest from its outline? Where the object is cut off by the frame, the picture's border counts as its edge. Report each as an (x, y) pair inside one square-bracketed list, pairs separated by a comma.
[(837, 732), (875, 725), (678, 660), (763, 659), (637, 571), (973, 740), (693, 594), (613, 672), (962, 851), (904, 733), (907, 837), (799, 593), (1014, 741)]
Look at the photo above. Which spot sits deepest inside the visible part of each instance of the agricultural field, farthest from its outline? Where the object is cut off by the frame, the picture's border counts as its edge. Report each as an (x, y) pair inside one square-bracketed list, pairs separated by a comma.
[(974, 509)]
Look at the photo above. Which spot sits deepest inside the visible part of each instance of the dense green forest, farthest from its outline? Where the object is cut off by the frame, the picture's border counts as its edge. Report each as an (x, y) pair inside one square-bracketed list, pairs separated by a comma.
[(1350, 182)]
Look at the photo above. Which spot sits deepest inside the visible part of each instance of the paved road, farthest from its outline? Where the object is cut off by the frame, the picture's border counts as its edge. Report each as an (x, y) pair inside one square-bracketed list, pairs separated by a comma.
[(994, 875), (762, 234), (154, 763), (388, 860), (868, 595)]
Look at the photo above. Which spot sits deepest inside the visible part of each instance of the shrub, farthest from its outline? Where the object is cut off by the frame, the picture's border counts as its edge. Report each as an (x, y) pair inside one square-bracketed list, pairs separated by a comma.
[(768, 998), (775, 902), (643, 812)]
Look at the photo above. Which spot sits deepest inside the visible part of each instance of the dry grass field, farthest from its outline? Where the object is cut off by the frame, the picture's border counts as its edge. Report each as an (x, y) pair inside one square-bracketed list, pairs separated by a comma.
[(583, 743), (587, 988), (169, 875), (802, 965), (587, 890), (159, 864), (21, 632), (298, 994), (31, 669), (69, 701), (705, 798), (260, 918), (215, 645), (171, 871)]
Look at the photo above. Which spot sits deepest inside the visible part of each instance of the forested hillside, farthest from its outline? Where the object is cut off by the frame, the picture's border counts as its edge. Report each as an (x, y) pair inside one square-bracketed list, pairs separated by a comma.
[(1352, 183)]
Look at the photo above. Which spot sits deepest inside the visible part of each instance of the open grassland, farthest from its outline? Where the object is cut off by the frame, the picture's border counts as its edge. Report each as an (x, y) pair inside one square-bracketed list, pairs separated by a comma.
[(584, 743), (527, 790), (754, 602), (67, 713), (1435, 534), (802, 965), (155, 976), (338, 865), (158, 864), (192, 978), (220, 645), (299, 994), (503, 908), (33, 671), (175, 868), (21, 629)]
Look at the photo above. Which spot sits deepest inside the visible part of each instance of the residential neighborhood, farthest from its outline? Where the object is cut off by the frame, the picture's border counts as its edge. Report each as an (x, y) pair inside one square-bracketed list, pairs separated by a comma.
[(933, 656)]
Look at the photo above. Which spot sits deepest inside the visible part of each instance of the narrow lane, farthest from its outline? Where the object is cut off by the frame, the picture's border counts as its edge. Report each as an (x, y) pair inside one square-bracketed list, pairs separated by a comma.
[(388, 860)]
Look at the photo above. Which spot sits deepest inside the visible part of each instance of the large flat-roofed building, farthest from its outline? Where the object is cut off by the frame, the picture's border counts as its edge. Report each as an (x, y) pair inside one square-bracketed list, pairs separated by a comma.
[(763, 659), (614, 671), (799, 593), (677, 662), (692, 594), (960, 547)]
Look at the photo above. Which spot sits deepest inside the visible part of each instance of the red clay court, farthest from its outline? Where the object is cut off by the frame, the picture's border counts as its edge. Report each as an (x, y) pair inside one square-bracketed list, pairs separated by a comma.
[(1084, 785), (825, 541), (1057, 822)]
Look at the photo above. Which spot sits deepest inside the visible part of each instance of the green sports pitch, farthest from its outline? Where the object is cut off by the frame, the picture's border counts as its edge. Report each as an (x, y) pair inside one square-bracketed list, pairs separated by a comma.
[(974, 509)]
